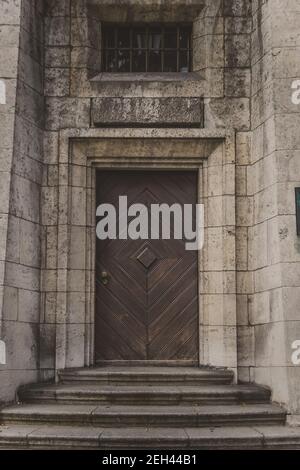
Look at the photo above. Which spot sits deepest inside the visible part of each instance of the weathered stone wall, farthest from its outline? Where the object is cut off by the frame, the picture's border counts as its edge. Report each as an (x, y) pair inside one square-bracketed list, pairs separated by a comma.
[(268, 247), (274, 172), (22, 155), (245, 58), (9, 47)]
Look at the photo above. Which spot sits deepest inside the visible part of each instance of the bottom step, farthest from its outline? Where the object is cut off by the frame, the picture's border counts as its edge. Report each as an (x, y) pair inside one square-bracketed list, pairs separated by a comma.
[(67, 437)]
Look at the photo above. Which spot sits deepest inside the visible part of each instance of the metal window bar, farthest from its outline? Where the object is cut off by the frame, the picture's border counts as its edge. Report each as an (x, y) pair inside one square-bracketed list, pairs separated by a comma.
[(116, 50)]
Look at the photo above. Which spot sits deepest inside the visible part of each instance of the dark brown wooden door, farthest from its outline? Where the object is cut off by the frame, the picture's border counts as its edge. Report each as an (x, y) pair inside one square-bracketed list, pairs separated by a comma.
[(148, 310)]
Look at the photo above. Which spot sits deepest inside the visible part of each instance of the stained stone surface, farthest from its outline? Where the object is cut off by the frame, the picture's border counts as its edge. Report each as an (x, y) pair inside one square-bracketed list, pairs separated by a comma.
[(246, 58)]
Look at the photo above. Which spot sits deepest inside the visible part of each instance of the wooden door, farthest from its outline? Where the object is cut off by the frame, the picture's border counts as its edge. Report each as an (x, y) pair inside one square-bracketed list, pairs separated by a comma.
[(148, 310)]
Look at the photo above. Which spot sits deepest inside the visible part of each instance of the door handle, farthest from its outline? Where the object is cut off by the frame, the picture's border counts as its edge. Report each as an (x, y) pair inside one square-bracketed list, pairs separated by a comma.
[(104, 277)]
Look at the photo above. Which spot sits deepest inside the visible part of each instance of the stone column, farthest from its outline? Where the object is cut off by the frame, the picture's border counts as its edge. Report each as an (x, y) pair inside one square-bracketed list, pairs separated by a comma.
[(9, 52), (274, 173)]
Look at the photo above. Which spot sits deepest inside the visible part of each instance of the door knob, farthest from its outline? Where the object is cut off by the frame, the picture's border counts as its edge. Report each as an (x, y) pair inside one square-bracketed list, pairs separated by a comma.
[(104, 278)]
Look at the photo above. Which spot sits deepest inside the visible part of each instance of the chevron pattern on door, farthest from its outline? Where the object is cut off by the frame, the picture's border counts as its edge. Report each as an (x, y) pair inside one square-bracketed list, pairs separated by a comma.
[(148, 309)]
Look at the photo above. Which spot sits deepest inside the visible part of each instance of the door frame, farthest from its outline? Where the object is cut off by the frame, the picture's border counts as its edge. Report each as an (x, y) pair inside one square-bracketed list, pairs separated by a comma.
[(212, 154)]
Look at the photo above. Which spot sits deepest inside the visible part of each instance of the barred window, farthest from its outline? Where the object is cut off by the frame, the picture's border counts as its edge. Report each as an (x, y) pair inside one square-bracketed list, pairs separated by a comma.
[(147, 48)]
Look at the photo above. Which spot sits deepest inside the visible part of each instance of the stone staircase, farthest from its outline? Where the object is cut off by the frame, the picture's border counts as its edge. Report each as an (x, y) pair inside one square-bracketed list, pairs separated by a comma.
[(145, 408)]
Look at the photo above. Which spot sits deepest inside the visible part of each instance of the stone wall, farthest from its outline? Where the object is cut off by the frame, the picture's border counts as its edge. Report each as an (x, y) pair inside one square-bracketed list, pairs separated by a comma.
[(275, 171), (244, 61), (22, 157)]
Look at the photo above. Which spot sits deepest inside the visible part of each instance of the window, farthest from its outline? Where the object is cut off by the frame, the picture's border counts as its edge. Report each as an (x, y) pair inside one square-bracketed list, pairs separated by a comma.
[(146, 48)]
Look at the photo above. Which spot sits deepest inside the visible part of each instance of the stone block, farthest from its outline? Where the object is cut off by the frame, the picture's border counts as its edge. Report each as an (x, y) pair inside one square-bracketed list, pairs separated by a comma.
[(290, 274), (30, 72), (78, 216), (232, 113), (287, 163), (261, 40), (10, 304), (219, 309), (262, 72), (76, 310), (77, 280), (78, 248), (32, 19), (28, 139), (264, 207), (11, 380), (9, 35), (242, 309), (21, 342), (241, 181), (238, 25), (285, 63), (13, 239), (242, 248), (221, 342), (47, 346), (6, 159), (208, 52), (290, 297), (22, 277), (27, 168), (210, 25), (57, 81), (75, 345), (5, 192), (67, 113), (49, 197), (243, 147), (262, 105), (273, 345), (3, 235), (148, 112), (30, 105), (244, 211), (25, 199), (237, 8), (10, 12), (245, 346), (238, 83), (237, 50), (85, 32), (9, 62), (57, 31), (258, 144), (244, 282), (258, 253), (55, 8), (50, 147), (57, 56), (29, 243), (260, 308), (285, 28), (268, 278), (7, 131), (29, 306), (31, 46)]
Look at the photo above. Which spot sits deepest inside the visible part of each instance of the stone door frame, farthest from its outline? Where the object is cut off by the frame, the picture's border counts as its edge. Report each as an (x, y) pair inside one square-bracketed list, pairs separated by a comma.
[(212, 153)]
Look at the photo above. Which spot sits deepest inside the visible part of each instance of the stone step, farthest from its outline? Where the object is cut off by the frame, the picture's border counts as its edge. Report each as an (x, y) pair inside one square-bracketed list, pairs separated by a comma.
[(115, 375), (73, 393), (206, 438), (160, 416)]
